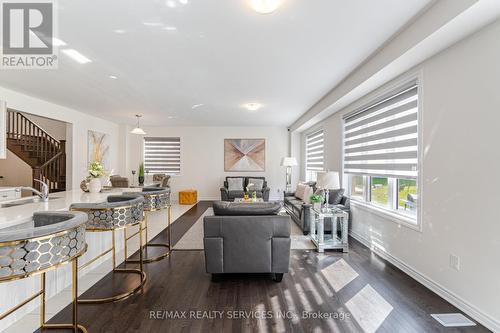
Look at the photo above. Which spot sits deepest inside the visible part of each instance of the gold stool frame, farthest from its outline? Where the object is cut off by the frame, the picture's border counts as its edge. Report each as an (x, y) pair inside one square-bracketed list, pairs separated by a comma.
[(42, 292), (139, 271), (165, 245)]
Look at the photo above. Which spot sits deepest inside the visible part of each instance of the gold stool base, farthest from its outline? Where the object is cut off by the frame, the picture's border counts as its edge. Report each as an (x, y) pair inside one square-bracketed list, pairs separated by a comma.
[(153, 259), (122, 296), (64, 326)]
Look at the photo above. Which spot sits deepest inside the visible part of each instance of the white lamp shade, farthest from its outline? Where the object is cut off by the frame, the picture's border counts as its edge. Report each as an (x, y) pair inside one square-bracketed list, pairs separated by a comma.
[(328, 180), (288, 161), (138, 131)]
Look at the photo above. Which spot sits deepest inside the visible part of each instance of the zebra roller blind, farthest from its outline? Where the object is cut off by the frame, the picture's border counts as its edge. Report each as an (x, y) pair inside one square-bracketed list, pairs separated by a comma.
[(382, 139), (162, 155), (314, 151)]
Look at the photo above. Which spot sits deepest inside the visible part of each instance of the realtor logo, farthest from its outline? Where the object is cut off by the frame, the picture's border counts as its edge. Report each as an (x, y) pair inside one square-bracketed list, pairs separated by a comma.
[(27, 35)]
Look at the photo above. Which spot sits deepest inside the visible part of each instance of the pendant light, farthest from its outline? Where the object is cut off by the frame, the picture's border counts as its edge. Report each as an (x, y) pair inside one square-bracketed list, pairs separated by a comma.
[(138, 130)]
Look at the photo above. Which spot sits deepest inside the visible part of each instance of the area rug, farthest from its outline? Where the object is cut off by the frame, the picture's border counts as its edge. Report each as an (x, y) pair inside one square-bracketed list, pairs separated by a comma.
[(193, 238)]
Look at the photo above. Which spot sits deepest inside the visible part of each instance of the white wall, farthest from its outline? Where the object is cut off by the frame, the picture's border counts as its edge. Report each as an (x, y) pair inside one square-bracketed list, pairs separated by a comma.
[(202, 155), (460, 190), (76, 132), (57, 129), (15, 172)]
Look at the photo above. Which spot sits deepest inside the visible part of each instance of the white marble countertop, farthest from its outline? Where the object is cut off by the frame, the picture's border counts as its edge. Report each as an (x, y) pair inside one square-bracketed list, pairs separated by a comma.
[(10, 216)]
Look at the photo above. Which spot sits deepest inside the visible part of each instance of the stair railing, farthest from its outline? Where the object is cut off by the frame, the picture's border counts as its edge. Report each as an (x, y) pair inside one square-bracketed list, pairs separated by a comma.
[(31, 136)]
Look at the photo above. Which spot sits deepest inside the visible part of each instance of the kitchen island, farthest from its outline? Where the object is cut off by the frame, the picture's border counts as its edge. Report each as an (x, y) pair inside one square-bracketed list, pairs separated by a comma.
[(58, 281)]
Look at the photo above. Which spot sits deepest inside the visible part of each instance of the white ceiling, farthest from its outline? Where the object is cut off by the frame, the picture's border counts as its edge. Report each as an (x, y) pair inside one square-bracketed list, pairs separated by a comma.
[(222, 55)]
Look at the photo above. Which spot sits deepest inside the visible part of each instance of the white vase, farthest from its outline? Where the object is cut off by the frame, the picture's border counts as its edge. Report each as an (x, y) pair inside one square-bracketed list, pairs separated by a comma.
[(95, 185)]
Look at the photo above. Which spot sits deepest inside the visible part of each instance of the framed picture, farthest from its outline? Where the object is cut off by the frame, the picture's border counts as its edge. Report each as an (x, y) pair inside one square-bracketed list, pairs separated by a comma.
[(242, 155)]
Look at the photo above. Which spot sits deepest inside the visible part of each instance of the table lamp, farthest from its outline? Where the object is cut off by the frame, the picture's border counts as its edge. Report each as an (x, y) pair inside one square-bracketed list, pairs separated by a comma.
[(289, 162), (328, 180)]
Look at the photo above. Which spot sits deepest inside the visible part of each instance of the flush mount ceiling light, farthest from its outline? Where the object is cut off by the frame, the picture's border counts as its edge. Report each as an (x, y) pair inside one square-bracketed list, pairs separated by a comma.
[(252, 106), (138, 130), (196, 106), (265, 6)]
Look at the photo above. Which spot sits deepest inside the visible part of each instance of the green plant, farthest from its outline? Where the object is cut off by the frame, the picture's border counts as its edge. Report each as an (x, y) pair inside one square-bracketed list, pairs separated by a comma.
[(141, 170), (316, 198), (96, 170)]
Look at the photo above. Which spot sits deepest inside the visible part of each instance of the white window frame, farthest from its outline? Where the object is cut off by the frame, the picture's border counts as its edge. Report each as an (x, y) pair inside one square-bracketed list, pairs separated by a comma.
[(393, 215)]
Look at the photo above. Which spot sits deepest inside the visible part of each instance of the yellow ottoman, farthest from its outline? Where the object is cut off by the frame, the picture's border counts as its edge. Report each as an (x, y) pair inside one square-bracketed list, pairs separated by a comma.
[(188, 197)]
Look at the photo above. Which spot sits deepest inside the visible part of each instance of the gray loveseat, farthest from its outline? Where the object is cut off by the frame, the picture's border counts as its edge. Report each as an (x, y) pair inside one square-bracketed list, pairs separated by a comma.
[(229, 193), (302, 213), (247, 238)]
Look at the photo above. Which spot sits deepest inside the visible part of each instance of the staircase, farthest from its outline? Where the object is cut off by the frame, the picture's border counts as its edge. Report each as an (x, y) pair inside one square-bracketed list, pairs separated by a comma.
[(45, 155)]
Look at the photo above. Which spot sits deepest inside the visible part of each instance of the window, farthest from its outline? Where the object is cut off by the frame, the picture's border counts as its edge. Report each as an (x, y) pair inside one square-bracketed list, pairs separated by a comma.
[(162, 155), (314, 154), (379, 191), (357, 187), (381, 152)]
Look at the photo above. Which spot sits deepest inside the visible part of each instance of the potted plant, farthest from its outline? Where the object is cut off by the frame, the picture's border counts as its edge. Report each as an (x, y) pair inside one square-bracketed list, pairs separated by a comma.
[(141, 174), (316, 200), (96, 171)]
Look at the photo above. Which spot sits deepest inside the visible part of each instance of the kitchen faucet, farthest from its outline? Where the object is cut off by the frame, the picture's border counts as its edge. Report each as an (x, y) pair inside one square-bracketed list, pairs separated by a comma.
[(44, 194)]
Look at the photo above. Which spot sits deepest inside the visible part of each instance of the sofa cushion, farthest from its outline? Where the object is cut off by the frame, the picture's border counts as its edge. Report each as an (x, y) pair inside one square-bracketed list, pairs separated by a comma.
[(307, 195), (235, 194), (224, 208), (335, 196), (258, 184), (235, 184), (301, 190)]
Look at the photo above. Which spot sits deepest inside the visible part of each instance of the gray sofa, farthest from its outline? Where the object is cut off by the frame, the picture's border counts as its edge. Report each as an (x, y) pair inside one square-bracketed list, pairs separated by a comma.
[(228, 194), (247, 238), (302, 213)]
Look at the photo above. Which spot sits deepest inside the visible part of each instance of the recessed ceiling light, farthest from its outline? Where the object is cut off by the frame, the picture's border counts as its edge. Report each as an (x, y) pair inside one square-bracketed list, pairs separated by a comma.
[(153, 24), (57, 42), (170, 28), (265, 6), (252, 106), (196, 106), (113, 77), (119, 31), (183, 2), (77, 56), (171, 3)]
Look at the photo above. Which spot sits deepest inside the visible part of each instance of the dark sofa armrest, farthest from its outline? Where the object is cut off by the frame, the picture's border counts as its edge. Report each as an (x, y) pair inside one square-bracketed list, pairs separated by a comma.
[(265, 193), (224, 195), (306, 217), (346, 202), (288, 194)]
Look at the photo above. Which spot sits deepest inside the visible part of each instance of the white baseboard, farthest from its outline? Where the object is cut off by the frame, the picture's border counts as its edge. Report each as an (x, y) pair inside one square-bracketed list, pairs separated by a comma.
[(449, 296)]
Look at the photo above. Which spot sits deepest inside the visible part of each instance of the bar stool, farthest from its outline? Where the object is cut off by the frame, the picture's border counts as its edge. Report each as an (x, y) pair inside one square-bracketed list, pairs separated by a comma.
[(155, 199), (117, 212), (46, 241)]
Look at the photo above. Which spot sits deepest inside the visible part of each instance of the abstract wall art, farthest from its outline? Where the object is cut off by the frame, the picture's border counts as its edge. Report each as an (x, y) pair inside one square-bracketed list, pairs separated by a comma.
[(244, 155), (98, 148)]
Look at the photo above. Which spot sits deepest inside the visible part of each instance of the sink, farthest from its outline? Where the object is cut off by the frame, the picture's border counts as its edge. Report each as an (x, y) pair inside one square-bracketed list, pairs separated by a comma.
[(24, 202)]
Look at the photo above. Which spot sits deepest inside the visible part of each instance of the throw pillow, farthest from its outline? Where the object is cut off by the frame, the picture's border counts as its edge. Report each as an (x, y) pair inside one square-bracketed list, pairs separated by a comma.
[(335, 196), (299, 192), (258, 184), (307, 195), (235, 184)]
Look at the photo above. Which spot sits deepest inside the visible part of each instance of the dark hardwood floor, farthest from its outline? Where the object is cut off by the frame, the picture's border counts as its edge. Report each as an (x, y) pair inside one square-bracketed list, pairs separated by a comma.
[(179, 283)]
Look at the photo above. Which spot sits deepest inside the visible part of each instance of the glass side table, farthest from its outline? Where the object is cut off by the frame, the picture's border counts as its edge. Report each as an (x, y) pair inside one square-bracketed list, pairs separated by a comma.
[(330, 241)]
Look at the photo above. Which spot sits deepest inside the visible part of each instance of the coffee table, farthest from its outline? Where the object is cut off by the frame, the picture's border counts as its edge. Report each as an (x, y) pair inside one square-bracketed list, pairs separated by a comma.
[(250, 200)]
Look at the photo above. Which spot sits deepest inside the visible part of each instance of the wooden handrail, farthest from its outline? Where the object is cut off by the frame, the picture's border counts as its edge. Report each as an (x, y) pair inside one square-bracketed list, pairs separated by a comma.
[(47, 155)]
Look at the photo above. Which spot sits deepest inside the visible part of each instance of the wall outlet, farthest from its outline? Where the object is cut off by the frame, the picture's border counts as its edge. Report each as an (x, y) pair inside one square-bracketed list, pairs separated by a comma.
[(455, 262)]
